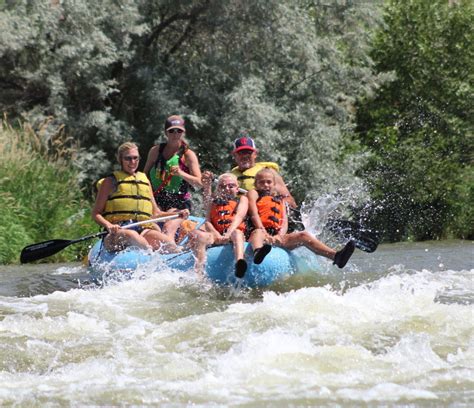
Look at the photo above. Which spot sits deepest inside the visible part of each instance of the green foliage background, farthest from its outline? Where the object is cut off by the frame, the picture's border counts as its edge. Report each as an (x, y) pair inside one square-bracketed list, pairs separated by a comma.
[(348, 96), (40, 195), (419, 127)]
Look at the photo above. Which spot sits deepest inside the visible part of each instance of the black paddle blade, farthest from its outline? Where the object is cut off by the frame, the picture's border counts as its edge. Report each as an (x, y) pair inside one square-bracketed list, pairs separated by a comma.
[(365, 239), (44, 249)]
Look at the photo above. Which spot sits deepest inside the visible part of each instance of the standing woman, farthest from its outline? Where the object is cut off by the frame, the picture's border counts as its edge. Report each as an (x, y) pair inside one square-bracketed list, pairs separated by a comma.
[(126, 197), (172, 168)]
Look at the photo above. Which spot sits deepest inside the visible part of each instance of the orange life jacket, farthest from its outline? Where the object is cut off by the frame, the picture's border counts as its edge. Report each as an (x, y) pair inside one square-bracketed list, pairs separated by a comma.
[(271, 210), (222, 214)]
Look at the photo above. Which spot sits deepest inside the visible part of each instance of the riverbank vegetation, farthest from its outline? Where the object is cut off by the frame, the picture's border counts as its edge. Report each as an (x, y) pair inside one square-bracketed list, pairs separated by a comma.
[(370, 100), (418, 127), (39, 192)]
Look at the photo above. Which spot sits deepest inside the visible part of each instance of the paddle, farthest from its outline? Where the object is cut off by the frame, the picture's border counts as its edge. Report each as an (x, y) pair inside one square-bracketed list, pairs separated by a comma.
[(364, 238), (197, 226), (47, 248)]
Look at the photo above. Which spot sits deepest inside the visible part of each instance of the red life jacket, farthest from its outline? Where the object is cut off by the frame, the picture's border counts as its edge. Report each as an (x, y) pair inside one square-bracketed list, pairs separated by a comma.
[(222, 214), (271, 210)]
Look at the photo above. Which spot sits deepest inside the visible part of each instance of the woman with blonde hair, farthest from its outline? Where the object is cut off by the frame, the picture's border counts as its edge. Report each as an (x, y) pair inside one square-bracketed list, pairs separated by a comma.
[(126, 197)]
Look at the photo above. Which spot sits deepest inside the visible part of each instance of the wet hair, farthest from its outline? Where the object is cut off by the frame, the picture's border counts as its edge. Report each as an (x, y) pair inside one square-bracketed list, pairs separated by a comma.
[(123, 148), (226, 176)]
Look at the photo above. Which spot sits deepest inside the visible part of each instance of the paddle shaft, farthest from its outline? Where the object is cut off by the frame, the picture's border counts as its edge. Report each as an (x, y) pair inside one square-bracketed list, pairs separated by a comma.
[(47, 248), (186, 238)]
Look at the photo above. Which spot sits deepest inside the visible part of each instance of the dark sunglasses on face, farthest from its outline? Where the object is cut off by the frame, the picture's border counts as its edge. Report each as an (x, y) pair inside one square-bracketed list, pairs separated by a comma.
[(131, 158), (175, 131)]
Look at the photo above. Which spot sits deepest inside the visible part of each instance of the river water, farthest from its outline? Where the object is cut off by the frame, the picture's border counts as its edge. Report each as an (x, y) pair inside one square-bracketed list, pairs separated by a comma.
[(393, 329)]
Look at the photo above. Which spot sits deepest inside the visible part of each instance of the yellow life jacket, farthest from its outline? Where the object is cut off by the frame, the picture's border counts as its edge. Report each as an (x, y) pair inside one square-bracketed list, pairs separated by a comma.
[(131, 200), (246, 178)]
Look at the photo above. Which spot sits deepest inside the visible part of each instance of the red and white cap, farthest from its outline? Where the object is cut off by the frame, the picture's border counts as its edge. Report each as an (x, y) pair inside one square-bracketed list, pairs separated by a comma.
[(244, 143)]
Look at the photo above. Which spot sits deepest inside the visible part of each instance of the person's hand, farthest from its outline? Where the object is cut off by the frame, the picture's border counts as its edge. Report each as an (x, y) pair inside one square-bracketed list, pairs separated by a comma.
[(276, 239), (112, 228), (267, 237), (223, 239), (175, 170), (207, 178), (183, 213), (226, 236)]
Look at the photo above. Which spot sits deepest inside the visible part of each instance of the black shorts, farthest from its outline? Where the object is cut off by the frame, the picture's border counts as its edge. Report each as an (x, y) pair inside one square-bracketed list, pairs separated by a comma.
[(138, 228), (167, 200)]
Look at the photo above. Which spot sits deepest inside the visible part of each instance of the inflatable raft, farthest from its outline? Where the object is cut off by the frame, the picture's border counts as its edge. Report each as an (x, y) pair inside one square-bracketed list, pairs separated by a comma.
[(278, 265)]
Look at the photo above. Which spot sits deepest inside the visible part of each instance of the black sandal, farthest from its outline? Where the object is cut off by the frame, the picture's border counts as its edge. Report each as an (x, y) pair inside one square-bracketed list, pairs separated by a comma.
[(240, 268), (260, 253), (342, 256)]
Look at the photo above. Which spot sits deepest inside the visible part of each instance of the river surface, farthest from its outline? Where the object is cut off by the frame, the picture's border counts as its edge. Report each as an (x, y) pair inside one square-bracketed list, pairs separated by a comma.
[(393, 329)]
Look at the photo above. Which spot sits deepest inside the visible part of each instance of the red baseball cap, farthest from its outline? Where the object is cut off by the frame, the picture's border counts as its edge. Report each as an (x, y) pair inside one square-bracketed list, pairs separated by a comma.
[(244, 143)]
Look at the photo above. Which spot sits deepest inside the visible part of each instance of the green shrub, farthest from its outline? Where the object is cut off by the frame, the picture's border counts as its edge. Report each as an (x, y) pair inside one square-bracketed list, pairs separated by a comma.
[(40, 192), (13, 234)]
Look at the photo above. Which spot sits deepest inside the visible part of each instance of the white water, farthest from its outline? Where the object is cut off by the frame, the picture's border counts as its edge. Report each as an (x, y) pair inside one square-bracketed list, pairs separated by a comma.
[(374, 335)]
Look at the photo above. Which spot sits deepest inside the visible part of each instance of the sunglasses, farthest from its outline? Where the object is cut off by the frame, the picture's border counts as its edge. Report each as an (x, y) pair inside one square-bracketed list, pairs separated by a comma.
[(131, 158), (175, 131)]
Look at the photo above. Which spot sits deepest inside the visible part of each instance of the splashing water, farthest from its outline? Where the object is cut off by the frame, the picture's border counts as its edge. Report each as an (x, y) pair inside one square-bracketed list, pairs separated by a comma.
[(394, 328)]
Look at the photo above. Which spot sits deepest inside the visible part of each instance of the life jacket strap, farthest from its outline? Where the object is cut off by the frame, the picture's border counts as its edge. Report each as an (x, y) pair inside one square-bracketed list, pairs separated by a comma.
[(136, 197)]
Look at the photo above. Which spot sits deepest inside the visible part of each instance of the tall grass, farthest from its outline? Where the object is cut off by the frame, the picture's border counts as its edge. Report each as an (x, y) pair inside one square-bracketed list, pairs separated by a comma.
[(39, 193)]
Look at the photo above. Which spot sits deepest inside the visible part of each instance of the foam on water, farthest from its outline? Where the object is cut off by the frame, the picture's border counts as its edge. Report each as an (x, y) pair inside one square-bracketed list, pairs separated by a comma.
[(165, 338)]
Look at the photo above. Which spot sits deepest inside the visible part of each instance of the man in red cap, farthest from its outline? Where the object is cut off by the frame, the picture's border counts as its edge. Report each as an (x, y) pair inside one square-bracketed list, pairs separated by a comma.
[(245, 155)]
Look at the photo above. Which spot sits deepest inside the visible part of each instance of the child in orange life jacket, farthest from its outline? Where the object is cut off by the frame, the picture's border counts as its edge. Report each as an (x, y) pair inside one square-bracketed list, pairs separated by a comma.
[(224, 223), (268, 214)]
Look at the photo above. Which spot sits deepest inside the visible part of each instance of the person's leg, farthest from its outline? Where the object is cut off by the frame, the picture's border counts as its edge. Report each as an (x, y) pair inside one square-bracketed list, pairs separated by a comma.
[(304, 238), (170, 227), (257, 238), (124, 238), (159, 241), (237, 238), (260, 249), (199, 241)]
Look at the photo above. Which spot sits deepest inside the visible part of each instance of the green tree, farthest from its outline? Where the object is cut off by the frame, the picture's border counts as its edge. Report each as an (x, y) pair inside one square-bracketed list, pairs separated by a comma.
[(419, 127), (286, 71)]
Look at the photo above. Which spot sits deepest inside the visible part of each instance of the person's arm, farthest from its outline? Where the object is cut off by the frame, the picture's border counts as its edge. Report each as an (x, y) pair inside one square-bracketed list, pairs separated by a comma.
[(240, 214), (105, 189), (282, 190), (252, 196), (208, 225), (151, 159), (284, 226), (194, 175)]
